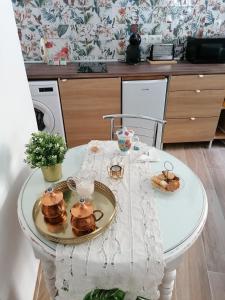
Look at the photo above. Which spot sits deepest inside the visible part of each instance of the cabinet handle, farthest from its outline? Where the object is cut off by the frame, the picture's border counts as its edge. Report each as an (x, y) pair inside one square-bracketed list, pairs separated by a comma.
[(192, 118), (201, 76), (63, 80), (198, 91)]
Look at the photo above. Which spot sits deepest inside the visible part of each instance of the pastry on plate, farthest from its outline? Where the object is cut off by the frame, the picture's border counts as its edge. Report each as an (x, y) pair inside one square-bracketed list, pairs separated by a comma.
[(166, 181)]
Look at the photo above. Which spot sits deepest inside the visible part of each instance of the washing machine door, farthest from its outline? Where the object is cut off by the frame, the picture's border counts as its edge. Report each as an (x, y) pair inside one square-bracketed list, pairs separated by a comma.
[(44, 116)]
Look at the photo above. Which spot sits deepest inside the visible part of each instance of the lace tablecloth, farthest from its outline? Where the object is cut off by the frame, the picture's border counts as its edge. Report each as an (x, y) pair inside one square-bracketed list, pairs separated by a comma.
[(129, 255)]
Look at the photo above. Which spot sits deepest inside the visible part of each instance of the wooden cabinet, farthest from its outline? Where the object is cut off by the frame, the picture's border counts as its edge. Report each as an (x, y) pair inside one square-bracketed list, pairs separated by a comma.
[(84, 102), (190, 129), (197, 82), (193, 107), (200, 103)]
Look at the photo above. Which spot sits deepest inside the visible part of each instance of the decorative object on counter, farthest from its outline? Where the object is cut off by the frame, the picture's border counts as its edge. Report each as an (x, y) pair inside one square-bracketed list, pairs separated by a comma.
[(162, 52), (166, 180), (53, 207), (125, 139), (133, 52), (46, 151), (103, 202)]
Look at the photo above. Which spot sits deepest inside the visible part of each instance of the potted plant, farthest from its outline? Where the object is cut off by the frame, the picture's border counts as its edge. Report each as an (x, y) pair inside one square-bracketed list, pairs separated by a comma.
[(46, 151)]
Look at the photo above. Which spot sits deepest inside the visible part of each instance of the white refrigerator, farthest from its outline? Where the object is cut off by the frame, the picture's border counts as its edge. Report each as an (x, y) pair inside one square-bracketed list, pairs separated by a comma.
[(148, 98)]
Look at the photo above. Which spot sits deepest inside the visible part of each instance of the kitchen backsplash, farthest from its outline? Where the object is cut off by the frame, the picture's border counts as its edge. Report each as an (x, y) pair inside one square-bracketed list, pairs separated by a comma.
[(100, 29)]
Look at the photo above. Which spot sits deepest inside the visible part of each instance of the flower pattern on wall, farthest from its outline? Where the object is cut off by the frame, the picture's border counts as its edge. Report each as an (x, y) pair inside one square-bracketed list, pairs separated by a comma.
[(100, 29)]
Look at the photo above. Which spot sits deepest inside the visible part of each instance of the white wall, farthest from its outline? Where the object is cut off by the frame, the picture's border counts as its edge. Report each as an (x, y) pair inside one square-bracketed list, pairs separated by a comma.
[(18, 267)]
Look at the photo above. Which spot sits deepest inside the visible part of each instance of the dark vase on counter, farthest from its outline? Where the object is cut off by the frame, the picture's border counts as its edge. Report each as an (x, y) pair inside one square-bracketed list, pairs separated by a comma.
[(133, 52)]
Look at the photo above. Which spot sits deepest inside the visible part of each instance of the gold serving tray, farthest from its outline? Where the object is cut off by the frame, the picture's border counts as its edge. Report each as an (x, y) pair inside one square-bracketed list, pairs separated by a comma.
[(102, 199)]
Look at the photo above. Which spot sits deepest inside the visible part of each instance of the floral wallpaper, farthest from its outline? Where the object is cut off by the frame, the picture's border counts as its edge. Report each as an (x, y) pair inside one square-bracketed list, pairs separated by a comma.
[(100, 29)]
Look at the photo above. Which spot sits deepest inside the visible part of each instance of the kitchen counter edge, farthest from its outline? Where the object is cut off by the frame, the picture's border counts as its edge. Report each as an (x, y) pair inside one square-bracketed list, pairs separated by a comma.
[(118, 69)]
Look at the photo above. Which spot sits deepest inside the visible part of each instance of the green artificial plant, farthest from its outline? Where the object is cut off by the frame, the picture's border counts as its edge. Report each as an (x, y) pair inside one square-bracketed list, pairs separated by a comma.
[(45, 149), (113, 294), (100, 294)]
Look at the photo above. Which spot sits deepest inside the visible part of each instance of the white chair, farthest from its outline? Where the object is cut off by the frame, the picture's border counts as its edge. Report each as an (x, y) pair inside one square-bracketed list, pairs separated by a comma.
[(148, 129)]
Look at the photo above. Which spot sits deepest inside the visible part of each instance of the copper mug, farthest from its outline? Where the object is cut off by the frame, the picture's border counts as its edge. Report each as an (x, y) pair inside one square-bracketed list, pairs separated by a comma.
[(53, 207), (83, 218)]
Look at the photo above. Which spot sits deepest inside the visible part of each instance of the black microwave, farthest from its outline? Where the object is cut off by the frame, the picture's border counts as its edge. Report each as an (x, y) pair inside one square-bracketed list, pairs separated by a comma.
[(205, 50)]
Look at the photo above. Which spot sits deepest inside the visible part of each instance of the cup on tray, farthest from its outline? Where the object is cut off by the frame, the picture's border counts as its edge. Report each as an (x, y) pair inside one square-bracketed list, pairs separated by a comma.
[(84, 184), (53, 207)]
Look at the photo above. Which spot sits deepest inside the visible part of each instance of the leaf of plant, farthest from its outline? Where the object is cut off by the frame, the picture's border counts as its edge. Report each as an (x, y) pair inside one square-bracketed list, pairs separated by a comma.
[(101, 294), (62, 29)]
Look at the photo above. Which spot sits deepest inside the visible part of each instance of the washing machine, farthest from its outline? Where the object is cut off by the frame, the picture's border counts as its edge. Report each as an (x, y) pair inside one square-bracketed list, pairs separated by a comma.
[(47, 106)]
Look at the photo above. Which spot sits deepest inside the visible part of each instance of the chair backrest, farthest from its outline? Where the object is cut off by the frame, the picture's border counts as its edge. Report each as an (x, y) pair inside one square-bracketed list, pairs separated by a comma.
[(148, 129)]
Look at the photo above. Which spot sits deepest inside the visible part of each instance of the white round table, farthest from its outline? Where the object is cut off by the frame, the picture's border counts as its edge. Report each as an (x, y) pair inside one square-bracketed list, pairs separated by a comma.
[(182, 216)]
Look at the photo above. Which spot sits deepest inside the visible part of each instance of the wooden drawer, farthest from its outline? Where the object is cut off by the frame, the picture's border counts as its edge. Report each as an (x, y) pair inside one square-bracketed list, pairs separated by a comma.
[(187, 130), (197, 82), (205, 103)]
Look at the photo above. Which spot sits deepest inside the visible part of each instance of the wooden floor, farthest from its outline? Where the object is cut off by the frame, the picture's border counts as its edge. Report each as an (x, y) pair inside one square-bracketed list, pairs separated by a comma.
[(201, 275)]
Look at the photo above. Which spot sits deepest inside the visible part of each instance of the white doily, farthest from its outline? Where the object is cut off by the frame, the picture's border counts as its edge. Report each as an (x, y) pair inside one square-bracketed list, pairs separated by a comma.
[(129, 255)]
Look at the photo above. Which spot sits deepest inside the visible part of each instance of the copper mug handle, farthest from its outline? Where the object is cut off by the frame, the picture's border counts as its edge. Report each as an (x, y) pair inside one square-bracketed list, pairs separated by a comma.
[(99, 218)]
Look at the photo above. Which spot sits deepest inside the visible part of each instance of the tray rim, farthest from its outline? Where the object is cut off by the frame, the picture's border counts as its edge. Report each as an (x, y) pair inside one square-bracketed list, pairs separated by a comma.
[(62, 186)]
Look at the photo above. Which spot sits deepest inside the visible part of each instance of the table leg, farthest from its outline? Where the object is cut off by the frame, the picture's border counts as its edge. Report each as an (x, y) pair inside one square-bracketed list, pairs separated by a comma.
[(166, 287), (48, 268), (49, 271)]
